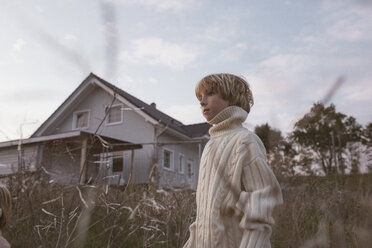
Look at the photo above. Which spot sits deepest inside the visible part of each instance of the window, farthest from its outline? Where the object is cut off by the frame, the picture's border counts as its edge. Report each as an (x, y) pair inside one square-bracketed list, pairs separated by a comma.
[(189, 169), (167, 159), (114, 114), (117, 164), (181, 163), (81, 119)]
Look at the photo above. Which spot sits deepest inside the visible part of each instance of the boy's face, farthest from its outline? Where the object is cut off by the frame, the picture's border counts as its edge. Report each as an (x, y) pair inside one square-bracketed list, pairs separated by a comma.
[(211, 104)]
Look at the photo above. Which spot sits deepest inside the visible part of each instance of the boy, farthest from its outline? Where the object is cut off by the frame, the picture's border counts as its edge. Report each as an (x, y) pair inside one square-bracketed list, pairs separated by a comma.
[(5, 206), (237, 190)]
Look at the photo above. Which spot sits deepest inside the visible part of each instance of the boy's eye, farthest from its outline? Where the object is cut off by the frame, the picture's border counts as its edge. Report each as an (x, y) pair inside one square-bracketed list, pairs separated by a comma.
[(211, 93)]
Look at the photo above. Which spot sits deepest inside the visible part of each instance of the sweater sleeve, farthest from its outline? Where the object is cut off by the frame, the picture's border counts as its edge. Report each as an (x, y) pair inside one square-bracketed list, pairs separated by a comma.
[(256, 202), (191, 241)]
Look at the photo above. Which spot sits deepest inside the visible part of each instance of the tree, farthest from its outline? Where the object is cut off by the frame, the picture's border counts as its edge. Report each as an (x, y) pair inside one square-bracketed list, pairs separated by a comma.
[(350, 139), (367, 140), (354, 156), (367, 135), (270, 137), (325, 132), (280, 153)]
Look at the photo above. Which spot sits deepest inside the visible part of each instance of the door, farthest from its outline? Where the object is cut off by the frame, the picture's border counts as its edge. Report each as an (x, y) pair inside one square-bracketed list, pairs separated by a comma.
[(116, 169)]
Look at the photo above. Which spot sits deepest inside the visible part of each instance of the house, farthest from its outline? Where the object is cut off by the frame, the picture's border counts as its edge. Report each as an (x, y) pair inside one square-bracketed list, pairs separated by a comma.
[(102, 134)]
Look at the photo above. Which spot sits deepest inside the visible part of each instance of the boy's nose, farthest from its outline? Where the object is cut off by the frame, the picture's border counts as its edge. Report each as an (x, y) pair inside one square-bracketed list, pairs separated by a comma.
[(203, 101)]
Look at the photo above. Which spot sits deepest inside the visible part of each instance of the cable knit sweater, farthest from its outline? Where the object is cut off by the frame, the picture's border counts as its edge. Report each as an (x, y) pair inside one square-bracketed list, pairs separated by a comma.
[(3, 242), (237, 190)]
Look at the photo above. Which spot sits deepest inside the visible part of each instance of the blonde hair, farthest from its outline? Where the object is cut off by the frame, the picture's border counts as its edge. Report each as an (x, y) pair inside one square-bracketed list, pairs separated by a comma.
[(5, 205), (231, 88)]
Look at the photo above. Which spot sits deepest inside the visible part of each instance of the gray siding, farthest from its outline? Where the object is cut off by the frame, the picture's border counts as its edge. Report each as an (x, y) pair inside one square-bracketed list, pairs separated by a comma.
[(174, 177), (133, 128), (9, 159), (142, 165)]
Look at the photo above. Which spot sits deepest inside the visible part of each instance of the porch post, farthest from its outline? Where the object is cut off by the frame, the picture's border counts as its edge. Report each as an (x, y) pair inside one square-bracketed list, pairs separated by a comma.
[(83, 159), (131, 176)]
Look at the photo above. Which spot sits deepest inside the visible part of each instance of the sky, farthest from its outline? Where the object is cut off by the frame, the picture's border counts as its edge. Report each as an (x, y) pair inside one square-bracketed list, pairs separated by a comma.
[(291, 52)]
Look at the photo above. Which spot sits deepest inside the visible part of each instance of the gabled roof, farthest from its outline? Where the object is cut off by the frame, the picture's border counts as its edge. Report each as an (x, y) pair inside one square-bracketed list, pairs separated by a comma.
[(194, 130), (198, 129)]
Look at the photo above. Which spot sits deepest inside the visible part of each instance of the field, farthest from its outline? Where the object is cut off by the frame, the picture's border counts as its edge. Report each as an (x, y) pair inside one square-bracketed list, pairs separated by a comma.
[(317, 212)]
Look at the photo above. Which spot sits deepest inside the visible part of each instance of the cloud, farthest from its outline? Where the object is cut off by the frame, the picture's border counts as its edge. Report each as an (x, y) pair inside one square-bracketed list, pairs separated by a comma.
[(221, 32), (30, 95), (360, 92), (333, 5), (111, 37), (138, 86), (241, 45), (342, 23), (19, 44), (347, 20), (283, 73), (163, 5), (155, 51), (153, 80), (70, 37), (350, 25), (39, 10), (345, 30), (285, 86), (50, 41), (20, 120), (211, 34)]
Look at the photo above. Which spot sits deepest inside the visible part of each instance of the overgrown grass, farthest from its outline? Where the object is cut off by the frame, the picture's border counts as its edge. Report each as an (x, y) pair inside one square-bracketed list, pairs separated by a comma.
[(315, 213)]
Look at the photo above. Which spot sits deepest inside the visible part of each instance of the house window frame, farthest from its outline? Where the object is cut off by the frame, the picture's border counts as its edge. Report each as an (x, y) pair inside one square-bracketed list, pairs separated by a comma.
[(171, 159), (107, 123), (191, 162), (74, 119), (181, 168)]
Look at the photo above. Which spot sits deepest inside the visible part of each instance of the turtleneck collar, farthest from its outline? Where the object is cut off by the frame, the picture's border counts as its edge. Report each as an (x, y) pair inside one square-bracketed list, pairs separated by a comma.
[(227, 120)]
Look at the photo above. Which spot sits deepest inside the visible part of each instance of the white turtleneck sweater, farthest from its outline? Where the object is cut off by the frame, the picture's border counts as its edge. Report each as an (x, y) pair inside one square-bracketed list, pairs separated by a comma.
[(237, 191)]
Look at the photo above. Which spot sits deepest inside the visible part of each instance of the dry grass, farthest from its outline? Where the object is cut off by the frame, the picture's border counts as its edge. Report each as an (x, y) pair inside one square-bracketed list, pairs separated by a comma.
[(314, 214), (52, 215)]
